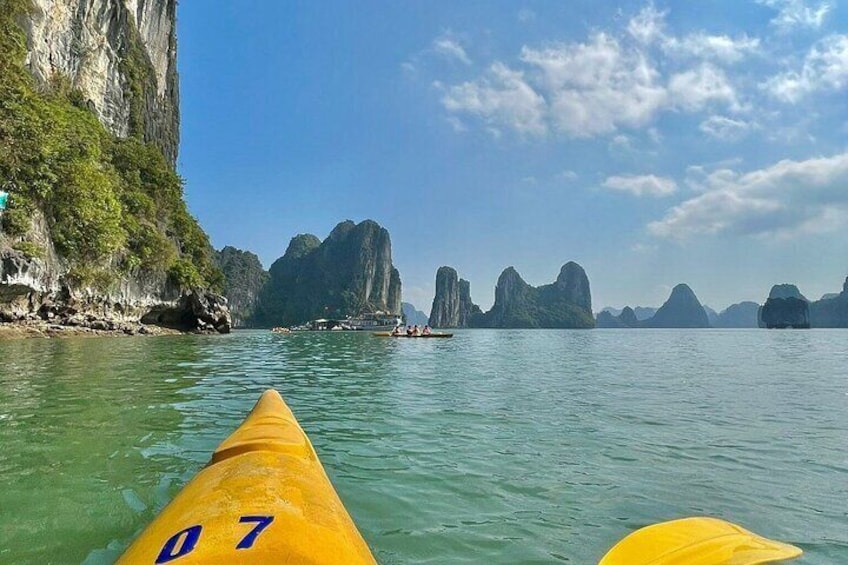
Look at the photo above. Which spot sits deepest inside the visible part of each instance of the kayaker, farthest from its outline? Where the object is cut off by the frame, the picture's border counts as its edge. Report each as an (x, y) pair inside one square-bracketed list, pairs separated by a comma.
[(397, 331), (408, 331), (416, 331), (426, 330)]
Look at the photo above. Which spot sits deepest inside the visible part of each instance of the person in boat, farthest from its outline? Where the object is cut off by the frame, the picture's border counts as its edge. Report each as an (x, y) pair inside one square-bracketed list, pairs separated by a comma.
[(426, 330), (416, 331), (397, 331), (409, 331)]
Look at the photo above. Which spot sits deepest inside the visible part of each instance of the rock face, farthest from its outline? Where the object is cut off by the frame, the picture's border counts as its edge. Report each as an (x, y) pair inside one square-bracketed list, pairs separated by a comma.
[(244, 279), (786, 307), (100, 236), (681, 310), (122, 56), (349, 273), (832, 311), (566, 303), (452, 306), (741, 315)]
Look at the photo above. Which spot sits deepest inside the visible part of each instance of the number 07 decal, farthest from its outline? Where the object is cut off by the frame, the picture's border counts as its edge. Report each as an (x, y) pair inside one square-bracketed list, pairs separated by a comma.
[(183, 542), (262, 522)]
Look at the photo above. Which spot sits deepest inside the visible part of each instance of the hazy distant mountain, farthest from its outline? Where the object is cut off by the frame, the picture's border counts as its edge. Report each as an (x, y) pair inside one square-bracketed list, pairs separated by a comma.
[(681, 310), (626, 319), (712, 315), (413, 317), (741, 315), (611, 310), (644, 312), (831, 312)]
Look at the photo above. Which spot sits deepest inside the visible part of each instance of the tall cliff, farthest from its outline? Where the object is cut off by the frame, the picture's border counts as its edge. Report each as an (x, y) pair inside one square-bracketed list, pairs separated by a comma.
[(120, 55), (566, 303), (349, 273), (244, 279), (96, 224), (452, 306), (681, 310)]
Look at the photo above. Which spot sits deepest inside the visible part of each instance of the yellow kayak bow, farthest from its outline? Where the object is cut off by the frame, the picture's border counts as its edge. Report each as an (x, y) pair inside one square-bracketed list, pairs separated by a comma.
[(697, 541), (264, 498)]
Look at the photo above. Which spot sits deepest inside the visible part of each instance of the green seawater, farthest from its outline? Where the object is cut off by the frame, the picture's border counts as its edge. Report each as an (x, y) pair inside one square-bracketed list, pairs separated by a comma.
[(491, 447)]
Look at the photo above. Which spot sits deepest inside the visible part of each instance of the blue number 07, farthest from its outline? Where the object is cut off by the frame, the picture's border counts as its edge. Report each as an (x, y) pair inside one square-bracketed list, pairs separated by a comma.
[(262, 522)]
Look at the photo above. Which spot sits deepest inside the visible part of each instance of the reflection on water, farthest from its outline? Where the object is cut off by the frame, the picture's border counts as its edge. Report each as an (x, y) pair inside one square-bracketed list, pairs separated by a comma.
[(491, 447)]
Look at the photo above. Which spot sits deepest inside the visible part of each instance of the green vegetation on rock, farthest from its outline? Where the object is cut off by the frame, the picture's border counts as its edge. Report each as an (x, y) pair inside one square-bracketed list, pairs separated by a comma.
[(108, 202)]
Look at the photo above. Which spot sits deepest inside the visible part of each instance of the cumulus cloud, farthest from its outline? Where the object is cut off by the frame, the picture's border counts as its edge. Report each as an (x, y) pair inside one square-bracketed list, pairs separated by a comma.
[(725, 128), (451, 49), (785, 199), (696, 88), (605, 83), (825, 68), (721, 48), (797, 13), (642, 185), (501, 98)]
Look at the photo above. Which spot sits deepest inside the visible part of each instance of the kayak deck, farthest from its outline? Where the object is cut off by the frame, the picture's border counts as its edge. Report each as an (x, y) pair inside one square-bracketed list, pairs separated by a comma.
[(263, 498)]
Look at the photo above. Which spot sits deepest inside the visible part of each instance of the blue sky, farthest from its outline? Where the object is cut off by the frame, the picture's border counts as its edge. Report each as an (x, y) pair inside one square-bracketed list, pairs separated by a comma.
[(652, 142)]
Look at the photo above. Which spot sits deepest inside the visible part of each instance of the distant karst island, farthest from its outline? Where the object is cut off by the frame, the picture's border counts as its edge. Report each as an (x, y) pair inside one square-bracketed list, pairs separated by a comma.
[(351, 273)]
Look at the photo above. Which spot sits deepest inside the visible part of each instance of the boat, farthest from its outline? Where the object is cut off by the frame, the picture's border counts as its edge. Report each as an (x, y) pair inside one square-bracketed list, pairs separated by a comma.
[(264, 498), (389, 334)]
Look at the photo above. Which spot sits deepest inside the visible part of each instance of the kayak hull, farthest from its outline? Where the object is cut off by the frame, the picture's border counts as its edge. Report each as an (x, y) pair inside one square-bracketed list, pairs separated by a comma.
[(389, 334), (264, 498)]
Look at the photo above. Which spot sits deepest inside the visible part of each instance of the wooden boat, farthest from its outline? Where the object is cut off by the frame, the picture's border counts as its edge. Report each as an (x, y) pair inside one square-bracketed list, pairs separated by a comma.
[(264, 498), (389, 334)]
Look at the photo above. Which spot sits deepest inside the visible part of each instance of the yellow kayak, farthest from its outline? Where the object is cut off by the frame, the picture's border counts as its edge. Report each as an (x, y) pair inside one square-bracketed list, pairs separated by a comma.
[(263, 498)]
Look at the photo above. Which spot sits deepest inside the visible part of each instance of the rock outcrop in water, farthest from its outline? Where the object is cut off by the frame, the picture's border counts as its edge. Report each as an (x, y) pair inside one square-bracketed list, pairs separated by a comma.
[(349, 273), (244, 279), (681, 310), (452, 305), (566, 303), (786, 307)]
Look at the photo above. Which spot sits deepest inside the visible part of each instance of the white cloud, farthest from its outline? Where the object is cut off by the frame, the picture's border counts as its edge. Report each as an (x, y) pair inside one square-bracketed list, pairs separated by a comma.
[(825, 68), (595, 87), (604, 84), (642, 185), (785, 199), (721, 48), (797, 13), (726, 129), (568, 176), (457, 124), (647, 26), (526, 15), (696, 88), (502, 98), (451, 49)]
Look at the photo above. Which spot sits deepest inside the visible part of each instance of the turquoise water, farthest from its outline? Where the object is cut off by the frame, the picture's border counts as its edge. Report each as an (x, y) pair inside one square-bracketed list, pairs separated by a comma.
[(491, 447)]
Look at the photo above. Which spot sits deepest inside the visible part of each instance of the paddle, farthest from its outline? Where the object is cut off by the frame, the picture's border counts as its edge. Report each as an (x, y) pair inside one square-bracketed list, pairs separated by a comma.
[(697, 541)]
